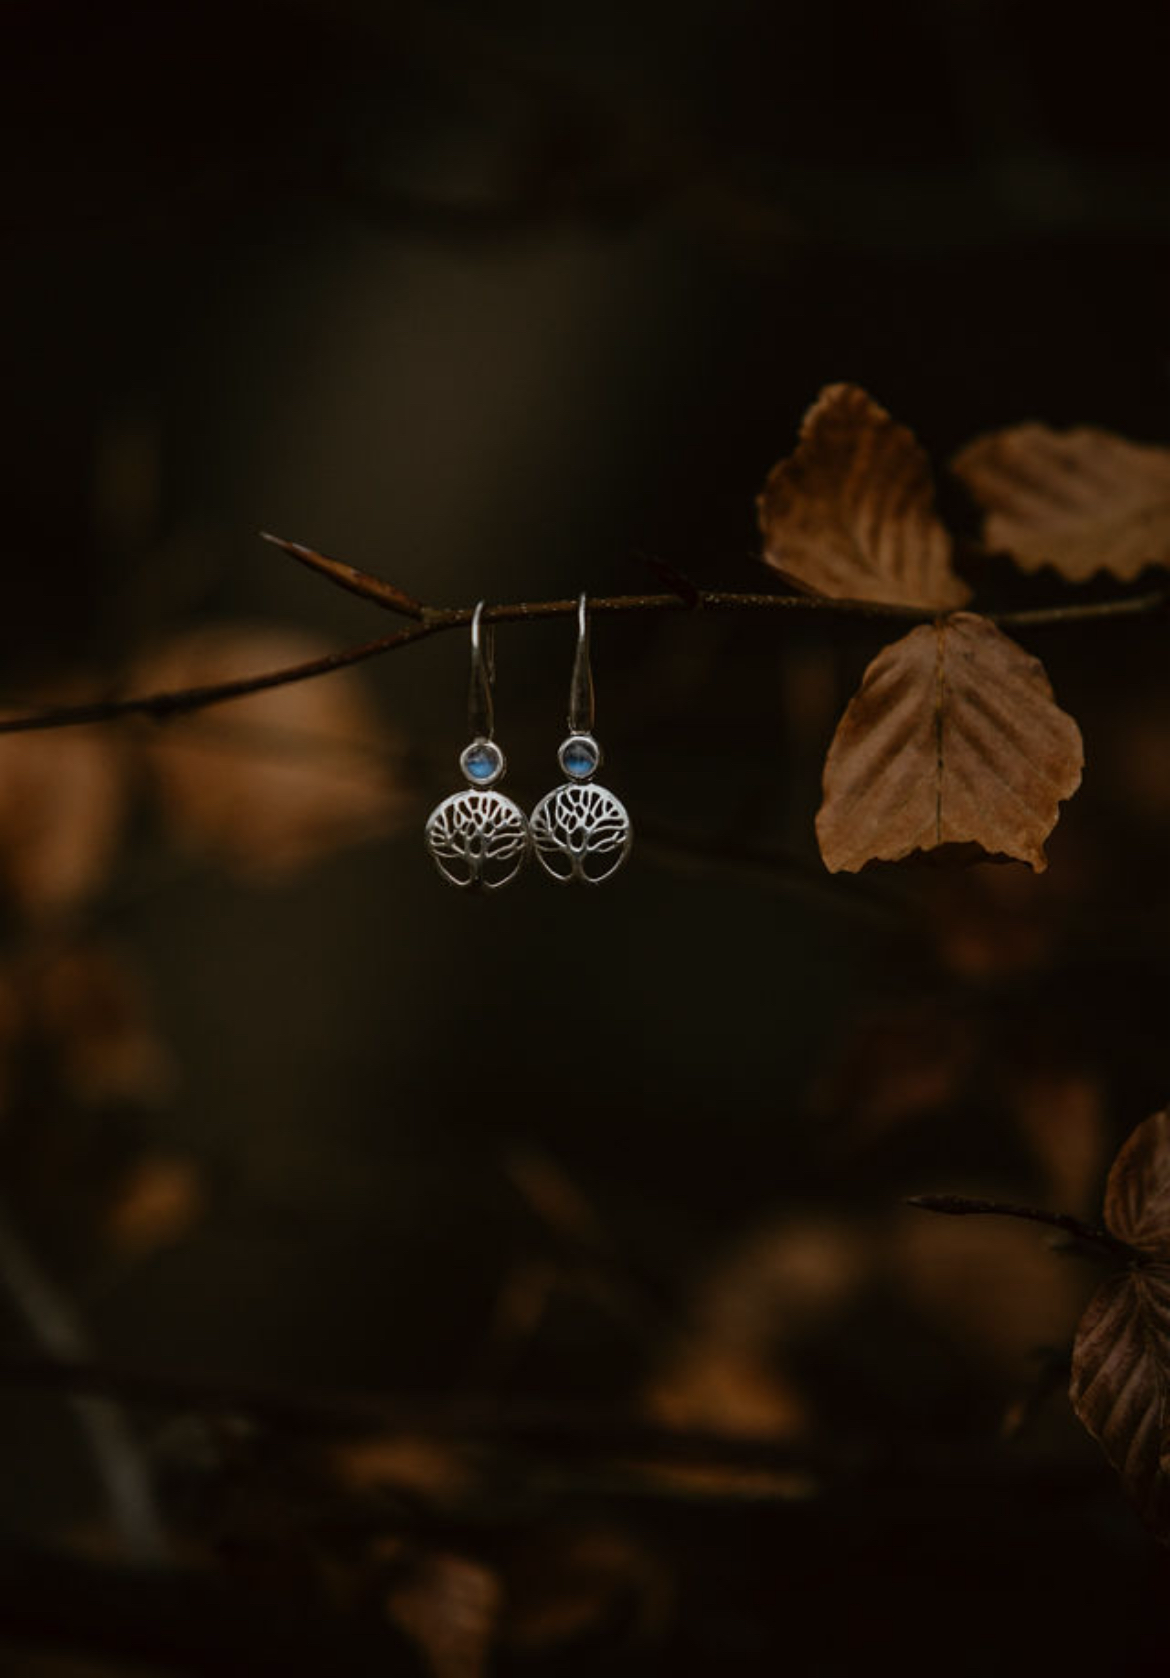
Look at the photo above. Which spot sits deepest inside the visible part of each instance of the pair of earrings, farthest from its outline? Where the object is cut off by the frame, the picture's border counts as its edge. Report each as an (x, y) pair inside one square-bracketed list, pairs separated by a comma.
[(579, 831)]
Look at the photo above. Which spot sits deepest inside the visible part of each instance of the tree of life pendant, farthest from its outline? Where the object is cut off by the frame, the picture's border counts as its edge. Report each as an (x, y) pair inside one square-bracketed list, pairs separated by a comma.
[(581, 831), (479, 838)]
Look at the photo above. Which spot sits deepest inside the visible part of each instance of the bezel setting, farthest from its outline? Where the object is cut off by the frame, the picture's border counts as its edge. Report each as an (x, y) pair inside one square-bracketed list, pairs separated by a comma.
[(482, 763), (579, 756)]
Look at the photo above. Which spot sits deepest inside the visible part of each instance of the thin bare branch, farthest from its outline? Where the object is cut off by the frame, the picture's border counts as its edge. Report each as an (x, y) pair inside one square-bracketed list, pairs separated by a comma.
[(349, 577), (1087, 1235), (435, 620), (175, 703), (1046, 617)]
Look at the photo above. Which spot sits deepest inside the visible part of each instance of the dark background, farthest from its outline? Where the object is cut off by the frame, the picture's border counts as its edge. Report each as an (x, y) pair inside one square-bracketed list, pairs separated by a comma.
[(496, 301)]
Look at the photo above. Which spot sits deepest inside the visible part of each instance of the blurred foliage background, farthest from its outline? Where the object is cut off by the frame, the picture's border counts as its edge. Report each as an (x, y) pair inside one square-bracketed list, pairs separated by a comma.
[(498, 301)]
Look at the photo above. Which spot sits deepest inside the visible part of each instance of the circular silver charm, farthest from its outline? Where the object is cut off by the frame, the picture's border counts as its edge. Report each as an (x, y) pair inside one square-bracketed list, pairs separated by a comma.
[(478, 838), (581, 832)]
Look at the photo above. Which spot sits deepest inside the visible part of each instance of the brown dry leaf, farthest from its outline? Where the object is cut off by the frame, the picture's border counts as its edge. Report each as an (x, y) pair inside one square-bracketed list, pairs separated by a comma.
[(851, 513), (1137, 1196), (1081, 501), (62, 800), (160, 1200), (1120, 1385), (92, 1002), (953, 739), (450, 1606), (268, 784)]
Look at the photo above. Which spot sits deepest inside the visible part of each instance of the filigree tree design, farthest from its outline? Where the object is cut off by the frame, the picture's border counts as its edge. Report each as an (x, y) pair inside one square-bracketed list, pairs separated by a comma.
[(478, 838), (581, 832)]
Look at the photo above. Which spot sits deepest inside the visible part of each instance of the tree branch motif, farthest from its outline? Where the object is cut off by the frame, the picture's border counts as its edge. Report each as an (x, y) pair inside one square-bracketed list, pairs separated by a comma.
[(478, 838), (582, 832)]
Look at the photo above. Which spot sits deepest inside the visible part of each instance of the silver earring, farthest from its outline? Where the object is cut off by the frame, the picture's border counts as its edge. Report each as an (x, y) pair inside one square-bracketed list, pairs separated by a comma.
[(581, 831), (479, 837)]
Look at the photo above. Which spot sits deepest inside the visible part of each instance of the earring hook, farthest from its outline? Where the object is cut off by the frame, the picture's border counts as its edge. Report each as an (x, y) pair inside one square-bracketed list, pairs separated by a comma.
[(480, 711), (581, 689)]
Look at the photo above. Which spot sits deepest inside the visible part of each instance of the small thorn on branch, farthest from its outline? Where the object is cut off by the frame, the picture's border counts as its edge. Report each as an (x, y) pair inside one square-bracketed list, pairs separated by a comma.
[(674, 580), (349, 577)]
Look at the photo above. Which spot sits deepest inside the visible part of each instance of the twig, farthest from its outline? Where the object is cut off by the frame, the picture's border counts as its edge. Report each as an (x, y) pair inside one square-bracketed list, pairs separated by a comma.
[(432, 620), (683, 587), (349, 577), (51, 1320), (177, 702), (1091, 1235), (1050, 617)]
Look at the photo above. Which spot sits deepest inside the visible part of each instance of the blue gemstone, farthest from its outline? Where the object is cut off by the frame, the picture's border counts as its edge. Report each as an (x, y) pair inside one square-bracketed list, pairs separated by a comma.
[(482, 761), (580, 756)]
